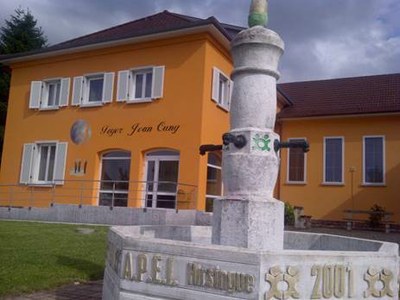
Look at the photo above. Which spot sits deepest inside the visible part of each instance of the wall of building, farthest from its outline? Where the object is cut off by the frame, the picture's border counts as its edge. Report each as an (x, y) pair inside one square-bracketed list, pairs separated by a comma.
[(111, 125), (328, 201)]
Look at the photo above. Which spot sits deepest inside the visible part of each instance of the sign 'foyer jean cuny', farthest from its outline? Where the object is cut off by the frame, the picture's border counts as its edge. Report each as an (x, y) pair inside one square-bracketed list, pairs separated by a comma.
[(246, 254)]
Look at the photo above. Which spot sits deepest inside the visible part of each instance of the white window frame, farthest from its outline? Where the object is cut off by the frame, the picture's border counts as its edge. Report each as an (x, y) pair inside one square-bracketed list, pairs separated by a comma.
[(32, 164), (127, 84), (157, 159), (87, 89), (37, 162), (288, 164), (39, 95), (102, 159), (221, 98), (133, 84), (81, 89), (325, 182), (383, 183), (209, 165)]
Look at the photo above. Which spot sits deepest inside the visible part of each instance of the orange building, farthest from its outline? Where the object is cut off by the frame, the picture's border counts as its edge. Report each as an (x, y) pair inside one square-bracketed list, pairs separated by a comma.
[(353, 128), (116, 118)]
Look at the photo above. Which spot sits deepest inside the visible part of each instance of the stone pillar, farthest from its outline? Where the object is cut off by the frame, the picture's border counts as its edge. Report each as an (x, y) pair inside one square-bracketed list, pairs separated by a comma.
[(248, 215)]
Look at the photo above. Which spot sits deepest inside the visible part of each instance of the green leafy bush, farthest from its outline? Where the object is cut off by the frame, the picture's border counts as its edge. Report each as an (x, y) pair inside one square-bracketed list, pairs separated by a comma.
[(377, 215), (289, 214)]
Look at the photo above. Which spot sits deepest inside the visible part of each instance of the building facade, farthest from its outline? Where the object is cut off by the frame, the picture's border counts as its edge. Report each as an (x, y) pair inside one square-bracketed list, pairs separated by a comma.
[(352, 126), (116, 118)]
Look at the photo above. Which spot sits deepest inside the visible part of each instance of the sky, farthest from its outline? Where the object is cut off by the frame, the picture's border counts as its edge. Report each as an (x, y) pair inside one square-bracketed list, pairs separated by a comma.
[(324, 38)]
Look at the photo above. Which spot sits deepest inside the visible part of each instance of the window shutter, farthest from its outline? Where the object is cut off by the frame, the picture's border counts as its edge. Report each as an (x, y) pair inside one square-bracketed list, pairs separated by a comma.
[(64, 93), (215, 85), (123, 86), (158, 82), (36, 94), (108, 87), (77, 90), (60, 160), (26, 164)]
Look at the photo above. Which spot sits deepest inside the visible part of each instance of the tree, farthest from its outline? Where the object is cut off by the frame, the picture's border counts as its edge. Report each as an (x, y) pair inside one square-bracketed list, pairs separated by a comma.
[(19, 34)]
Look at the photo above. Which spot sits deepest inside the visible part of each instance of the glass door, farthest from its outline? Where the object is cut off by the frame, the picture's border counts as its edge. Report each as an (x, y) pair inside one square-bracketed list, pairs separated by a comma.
[(114, 184), (162, 168)]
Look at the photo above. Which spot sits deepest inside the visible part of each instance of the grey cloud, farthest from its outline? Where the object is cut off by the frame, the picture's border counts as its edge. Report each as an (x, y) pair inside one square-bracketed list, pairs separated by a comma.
[(324, 38)]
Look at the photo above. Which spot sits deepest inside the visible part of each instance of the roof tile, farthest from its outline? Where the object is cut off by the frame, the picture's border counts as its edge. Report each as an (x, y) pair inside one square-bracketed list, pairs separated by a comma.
[(345, 96)]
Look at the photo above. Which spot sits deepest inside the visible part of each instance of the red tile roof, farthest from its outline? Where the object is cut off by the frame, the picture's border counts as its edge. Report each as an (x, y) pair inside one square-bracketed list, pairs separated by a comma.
[(159, 23), (345, 96)]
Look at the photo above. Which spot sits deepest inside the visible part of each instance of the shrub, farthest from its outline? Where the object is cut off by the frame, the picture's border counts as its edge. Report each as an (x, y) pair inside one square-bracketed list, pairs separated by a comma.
[(289, 214), (378, 213)]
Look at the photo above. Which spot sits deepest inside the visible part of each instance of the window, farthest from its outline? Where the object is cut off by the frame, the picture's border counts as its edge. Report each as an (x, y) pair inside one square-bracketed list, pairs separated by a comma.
[(93, 89), (43, 163), (221, 89), (296, 164), (333, 160), (114, 185), (162, 169), (49, 94), (140, 85), (374, 160), (214, 180)]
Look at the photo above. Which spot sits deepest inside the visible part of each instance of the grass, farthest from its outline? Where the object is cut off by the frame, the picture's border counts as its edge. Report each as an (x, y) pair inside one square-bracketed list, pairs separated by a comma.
[(39, 256)]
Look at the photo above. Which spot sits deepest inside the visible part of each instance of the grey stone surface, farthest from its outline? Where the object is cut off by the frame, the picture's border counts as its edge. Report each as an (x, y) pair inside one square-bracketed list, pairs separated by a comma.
[(248, 216), (104, 215), (247, 223), (345, 270)]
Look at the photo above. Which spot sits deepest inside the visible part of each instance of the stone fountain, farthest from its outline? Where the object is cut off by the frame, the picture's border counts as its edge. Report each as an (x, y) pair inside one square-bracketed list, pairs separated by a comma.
[(246, 254)]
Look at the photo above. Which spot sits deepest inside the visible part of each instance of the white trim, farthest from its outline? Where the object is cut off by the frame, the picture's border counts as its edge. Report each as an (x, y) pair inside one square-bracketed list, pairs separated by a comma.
[(132, 83), (101, 172), (35, 163), (35, 94), (86, 88), (108, 87), (288, 164), (383, 183), (92, 104), (44, 101), (324, 182), (123, 85), (26, 163), (216, 33), (216, 167), (144, 100), (157, 85), (225, 99), (157, 159)]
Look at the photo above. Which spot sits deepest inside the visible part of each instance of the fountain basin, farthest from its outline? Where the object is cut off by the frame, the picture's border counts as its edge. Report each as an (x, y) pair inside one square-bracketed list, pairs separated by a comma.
[(179, 262)]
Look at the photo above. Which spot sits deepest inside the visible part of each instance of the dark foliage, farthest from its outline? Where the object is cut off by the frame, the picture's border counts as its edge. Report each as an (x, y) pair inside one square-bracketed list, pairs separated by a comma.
[(19, 34)]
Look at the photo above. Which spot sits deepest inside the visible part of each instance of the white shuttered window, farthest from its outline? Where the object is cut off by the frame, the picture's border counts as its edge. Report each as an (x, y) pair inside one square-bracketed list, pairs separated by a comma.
[(49, 94), (43, 163), (93, 89), (141, 85), (222, 88)]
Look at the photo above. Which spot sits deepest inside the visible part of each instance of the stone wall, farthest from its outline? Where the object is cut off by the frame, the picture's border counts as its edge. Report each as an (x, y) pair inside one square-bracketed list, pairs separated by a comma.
[(105, 215)]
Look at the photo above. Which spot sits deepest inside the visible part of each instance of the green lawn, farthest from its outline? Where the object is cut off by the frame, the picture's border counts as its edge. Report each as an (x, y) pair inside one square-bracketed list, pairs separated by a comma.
[(37, 256)]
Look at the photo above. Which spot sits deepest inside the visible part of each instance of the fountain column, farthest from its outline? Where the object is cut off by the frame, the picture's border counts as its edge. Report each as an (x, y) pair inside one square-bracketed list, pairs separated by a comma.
[(248, 216)]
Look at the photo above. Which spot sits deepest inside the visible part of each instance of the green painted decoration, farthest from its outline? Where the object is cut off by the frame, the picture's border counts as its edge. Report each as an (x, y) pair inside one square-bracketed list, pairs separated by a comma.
[(262, 143), (258, 13)]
